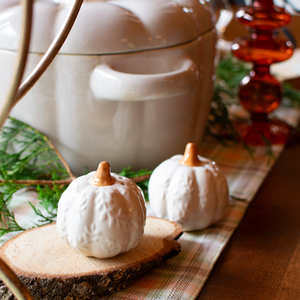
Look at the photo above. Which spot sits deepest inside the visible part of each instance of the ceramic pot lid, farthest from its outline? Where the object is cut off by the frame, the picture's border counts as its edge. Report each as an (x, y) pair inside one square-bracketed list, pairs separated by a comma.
[(105, 27)]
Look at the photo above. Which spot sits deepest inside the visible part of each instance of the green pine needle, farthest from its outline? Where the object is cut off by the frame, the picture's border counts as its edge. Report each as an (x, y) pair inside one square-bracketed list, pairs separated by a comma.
[(127, 172)]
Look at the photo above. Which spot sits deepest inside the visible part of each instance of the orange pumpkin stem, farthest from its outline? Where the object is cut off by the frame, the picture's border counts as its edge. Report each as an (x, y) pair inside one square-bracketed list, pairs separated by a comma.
[(102, 176), (190, 157)]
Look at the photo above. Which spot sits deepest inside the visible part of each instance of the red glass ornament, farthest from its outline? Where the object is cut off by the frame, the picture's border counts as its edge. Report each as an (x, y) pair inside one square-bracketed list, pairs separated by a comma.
[(260, 92)]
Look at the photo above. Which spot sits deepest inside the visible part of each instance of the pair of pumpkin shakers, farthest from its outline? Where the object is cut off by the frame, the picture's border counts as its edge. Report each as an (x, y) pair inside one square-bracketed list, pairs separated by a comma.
[(103, 214)]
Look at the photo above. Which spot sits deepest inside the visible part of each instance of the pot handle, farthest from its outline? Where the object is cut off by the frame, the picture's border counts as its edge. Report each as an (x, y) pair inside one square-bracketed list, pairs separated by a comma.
[(107, 83)]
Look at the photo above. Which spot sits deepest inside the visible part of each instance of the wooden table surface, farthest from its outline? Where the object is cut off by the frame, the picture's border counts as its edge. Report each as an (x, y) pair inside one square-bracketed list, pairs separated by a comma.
[(262, 259)]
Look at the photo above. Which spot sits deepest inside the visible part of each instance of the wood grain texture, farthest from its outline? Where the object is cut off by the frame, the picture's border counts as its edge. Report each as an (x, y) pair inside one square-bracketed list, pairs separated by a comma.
[(290, 286), (262, 259), (50, 268)]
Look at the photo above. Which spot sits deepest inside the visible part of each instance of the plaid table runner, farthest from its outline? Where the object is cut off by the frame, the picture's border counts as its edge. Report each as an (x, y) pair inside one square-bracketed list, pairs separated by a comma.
[(183, 276)]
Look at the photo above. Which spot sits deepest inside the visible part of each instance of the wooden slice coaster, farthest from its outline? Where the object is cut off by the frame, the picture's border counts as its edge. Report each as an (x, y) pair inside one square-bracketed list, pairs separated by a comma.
[(53, 270)]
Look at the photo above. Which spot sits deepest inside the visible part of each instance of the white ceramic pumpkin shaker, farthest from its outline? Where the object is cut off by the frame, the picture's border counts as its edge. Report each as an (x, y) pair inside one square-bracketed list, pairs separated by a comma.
[(102, 214), (189, 189)]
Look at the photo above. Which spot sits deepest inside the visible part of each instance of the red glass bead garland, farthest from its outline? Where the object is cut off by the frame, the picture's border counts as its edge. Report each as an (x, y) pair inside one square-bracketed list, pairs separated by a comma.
[(260, 92)]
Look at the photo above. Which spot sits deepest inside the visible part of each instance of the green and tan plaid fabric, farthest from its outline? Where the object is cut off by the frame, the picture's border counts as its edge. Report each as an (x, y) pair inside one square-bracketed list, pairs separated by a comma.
[(183, 276)]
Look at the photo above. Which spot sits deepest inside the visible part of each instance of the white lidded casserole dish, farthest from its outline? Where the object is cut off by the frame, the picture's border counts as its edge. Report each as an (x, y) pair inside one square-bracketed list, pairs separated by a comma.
[(131, 85)]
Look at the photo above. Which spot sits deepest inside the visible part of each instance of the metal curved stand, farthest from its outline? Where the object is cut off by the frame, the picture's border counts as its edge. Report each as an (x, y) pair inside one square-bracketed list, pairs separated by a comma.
[(51, 52), (15, 94), (13, 282), (21, 61)]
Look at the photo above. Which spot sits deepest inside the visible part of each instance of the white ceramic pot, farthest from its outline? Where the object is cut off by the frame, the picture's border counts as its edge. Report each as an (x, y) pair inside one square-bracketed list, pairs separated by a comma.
[(131, 85)]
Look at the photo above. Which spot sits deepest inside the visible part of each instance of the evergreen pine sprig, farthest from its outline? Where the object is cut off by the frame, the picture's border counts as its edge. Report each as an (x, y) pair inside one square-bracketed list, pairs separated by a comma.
[(291, 97), (7, 218), (25, 153), (49, 197), (229, 72), (27, 158), (140, 177)]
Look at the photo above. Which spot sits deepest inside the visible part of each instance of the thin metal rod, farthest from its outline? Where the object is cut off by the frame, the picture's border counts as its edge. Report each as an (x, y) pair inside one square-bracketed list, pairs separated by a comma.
[(7, 275), (13, 282), (14, 95), (20, 63), (51, 52)]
